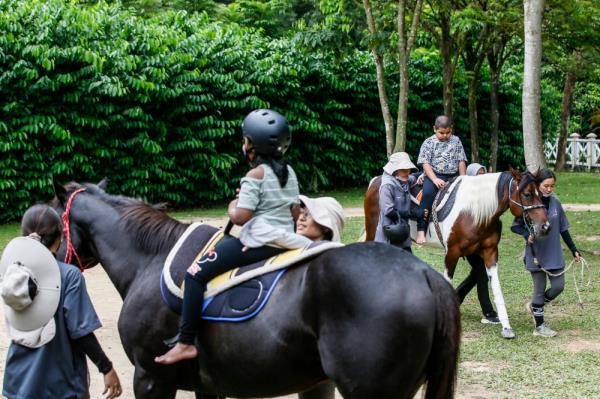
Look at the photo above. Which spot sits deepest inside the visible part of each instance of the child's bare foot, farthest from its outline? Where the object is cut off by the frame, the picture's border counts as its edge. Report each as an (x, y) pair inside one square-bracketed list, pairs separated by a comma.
[(178, 353), (420, 238)]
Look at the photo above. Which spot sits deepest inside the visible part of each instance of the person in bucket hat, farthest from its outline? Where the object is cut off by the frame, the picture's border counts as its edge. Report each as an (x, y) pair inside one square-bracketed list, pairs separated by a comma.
[(394, 201), (49, 315)]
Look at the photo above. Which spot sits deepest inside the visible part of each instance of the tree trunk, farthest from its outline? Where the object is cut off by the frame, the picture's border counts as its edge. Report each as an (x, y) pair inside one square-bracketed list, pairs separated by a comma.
[(402, 105), (565, 115), (447, 66), (473, 124), (494, 83), (383, 98), (532, 123), (405, 43)]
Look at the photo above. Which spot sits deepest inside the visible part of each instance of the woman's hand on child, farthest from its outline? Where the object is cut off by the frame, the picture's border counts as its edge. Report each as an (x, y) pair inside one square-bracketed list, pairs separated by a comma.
[(112, 385)]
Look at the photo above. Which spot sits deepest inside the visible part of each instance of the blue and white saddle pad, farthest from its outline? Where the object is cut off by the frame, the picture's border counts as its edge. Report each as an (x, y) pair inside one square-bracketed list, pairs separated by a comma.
[(238, 294)]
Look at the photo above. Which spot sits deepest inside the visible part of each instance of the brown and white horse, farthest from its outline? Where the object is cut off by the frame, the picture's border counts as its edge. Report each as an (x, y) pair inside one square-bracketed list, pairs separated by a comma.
[(472, 223)]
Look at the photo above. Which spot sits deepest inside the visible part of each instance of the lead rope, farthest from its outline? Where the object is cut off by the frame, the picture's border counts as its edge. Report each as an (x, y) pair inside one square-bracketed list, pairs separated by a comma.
[(584, 266), (67, 227)]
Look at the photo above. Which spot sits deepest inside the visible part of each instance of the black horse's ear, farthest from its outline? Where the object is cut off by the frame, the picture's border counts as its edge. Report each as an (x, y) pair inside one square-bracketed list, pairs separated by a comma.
[(59, 191), (103, 183)]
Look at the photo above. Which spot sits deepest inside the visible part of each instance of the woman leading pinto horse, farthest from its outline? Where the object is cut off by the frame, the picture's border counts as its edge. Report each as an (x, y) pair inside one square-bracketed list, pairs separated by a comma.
[(370, 317), (472, 224)]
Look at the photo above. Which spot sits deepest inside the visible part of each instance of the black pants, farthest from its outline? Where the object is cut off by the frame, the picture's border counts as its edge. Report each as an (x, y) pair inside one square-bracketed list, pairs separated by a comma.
[(429, 192), (227, 255), (477, 277)]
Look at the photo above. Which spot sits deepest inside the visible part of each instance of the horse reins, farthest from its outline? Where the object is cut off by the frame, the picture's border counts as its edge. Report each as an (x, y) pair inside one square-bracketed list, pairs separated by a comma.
[(67, 228), (584, 266), (524, 208)]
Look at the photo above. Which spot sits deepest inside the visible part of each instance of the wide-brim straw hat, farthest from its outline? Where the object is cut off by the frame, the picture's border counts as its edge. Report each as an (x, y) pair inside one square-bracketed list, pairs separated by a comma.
[(398, 160), (29, 285), (327, 212)]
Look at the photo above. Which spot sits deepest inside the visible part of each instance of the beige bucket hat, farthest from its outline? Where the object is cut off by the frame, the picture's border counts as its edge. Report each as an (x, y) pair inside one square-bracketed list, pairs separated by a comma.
[(30, 287), (398, 160), (327, 212)]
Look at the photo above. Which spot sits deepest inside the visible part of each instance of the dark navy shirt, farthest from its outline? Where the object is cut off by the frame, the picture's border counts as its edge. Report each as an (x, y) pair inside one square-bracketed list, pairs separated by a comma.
[(56, 370)]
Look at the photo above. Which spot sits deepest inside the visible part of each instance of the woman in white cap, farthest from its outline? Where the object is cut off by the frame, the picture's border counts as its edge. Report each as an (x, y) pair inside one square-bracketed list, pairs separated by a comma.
[(395, 203), (320, 219), (50, 317)]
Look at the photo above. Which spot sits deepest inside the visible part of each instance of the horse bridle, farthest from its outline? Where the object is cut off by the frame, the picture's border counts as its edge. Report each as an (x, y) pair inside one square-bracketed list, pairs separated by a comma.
[(67, 229), (524, 208)]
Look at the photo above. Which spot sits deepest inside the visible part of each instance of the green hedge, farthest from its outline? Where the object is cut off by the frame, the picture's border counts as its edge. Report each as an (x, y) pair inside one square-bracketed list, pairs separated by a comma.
[(156, 104)]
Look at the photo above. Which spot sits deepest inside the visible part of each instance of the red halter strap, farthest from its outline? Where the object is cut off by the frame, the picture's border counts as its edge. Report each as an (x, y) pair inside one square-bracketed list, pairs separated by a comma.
[(67, 227)]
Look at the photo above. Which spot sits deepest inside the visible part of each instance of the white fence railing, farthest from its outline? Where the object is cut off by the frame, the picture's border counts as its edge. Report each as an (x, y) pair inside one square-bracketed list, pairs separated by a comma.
[(581, 153)]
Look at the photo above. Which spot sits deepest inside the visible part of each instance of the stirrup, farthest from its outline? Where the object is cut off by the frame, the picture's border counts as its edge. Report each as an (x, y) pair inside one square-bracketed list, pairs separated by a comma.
[(171, 342)]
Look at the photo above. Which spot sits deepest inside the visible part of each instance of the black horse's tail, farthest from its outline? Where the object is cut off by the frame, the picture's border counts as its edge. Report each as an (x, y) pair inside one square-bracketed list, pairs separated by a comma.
[(443, 359)]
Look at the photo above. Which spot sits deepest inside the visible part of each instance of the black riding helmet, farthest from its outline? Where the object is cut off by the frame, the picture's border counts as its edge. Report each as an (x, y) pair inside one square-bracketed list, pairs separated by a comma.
[(397, 233), (269, 132)]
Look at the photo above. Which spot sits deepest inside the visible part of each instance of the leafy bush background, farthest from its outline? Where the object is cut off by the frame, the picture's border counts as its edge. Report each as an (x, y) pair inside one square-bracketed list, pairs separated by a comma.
[(156, 104)]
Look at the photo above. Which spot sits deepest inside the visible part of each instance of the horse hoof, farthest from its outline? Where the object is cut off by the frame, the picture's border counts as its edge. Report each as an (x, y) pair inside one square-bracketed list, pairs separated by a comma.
[(508, 333)]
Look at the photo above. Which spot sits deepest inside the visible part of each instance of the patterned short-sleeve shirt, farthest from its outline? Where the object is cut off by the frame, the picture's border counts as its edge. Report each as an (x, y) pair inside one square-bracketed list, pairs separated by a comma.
[(442, 156)]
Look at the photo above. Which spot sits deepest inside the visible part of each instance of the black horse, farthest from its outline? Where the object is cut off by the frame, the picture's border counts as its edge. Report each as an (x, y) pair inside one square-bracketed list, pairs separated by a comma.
[(370, 317)]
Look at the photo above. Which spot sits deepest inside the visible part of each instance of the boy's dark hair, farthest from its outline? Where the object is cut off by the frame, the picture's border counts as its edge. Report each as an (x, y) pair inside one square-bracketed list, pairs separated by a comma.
[(44, 221), (443, 122), (544, 174)]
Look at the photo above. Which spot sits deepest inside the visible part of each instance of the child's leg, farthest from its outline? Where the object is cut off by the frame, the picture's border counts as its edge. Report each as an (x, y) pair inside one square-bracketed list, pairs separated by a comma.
[(227, 255), (429, 192)]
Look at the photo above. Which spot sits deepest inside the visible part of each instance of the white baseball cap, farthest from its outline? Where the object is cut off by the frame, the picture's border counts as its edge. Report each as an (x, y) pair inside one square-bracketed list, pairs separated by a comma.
[(327, 212)]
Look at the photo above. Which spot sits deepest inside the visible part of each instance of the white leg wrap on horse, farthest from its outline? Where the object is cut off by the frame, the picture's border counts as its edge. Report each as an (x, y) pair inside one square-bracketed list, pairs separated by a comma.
[(446, 276), (492, 273)]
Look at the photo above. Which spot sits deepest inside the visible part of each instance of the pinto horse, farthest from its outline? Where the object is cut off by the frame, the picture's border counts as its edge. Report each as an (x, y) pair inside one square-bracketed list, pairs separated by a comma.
[(373, 319), (473, 225)]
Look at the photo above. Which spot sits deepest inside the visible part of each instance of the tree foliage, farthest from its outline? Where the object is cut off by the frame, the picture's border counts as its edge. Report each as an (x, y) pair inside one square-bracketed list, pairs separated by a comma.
[(155, 103)]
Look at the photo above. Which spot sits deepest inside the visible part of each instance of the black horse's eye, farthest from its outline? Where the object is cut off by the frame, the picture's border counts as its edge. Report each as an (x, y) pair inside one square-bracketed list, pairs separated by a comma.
[(527, 195)]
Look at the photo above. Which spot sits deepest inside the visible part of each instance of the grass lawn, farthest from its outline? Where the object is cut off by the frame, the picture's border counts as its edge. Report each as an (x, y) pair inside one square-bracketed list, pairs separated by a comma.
[(529, 367)]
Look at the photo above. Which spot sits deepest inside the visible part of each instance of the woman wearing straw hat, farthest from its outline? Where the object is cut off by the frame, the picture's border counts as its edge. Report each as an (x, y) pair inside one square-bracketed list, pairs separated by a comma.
[(395, 202), (50, 318)]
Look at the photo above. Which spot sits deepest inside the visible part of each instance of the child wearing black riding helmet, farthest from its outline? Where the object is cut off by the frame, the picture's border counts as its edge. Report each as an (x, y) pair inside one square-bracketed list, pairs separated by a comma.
[(266, 207)]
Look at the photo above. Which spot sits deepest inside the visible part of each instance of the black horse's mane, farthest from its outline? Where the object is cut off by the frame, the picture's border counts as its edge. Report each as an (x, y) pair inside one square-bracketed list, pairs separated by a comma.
[(153, 230)]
